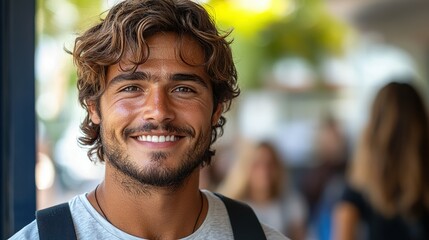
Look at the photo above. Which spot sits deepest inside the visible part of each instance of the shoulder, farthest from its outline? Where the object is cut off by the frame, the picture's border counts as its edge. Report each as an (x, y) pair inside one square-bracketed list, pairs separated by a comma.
[(221, 212), (28, 232), (217, 212), (355, 198), (216, 224), (31, 230), (272, 234)]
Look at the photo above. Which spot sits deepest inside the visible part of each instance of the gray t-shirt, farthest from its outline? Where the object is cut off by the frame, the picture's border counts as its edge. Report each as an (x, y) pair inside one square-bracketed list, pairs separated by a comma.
[(89, 224)]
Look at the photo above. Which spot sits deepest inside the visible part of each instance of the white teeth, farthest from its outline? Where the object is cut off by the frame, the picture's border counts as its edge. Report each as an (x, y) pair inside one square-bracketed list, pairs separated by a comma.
[(156, 139)]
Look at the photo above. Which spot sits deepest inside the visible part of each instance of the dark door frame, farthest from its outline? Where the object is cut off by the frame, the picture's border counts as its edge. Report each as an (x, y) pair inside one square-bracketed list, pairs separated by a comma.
[(18, 121)]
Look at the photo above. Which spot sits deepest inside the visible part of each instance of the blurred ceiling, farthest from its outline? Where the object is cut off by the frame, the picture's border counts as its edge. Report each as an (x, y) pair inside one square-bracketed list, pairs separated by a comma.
[(392, 18), (404, 23)]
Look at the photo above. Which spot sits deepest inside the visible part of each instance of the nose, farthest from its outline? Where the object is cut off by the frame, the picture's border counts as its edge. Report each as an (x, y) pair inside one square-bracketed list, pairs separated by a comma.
[(158, 106)]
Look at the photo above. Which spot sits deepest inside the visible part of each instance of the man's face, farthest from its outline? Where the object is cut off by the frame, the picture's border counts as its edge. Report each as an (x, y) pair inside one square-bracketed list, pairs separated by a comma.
[(156, 122)]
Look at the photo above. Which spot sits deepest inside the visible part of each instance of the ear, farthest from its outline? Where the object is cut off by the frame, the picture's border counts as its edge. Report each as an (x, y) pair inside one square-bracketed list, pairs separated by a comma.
[(216, 115), (93, 113)]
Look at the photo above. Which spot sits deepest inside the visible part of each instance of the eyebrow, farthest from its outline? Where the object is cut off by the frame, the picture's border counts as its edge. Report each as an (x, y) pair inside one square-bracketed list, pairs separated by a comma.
[(137, 76), (189, 77), (129, 76)]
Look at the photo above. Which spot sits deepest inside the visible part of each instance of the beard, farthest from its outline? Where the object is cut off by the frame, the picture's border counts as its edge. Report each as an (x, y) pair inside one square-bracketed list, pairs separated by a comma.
[(157, 175)]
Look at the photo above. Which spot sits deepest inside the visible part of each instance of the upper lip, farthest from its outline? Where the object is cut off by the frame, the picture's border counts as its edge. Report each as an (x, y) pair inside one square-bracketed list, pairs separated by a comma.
[(155, 133)]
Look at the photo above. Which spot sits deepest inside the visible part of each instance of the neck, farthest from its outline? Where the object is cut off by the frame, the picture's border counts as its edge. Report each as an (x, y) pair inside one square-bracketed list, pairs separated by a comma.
[(151, 212)]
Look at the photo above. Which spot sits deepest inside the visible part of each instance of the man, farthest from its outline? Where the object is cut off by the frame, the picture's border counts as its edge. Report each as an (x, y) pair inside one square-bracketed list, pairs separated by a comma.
[(155, 77)]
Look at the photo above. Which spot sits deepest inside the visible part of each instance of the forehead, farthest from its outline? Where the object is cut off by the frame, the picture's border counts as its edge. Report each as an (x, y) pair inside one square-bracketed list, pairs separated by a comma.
[(168, 53), (165, 46), (170, 46)]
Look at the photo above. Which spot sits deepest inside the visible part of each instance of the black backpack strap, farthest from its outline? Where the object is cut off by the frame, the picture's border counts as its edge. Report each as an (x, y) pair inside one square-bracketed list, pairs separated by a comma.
[(55, 223), (245, 224)]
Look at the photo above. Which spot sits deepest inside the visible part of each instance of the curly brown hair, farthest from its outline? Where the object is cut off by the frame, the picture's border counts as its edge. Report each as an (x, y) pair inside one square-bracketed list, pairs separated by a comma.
[(125, 30)]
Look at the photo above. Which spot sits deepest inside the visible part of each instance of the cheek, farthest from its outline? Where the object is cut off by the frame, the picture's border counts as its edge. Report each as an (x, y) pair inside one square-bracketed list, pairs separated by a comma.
[(117, 115), (124, 109), (200, 123), (197, 114)]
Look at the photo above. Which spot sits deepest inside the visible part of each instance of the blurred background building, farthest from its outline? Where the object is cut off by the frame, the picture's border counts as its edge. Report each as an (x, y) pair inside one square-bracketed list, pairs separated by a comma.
[(308, 70)]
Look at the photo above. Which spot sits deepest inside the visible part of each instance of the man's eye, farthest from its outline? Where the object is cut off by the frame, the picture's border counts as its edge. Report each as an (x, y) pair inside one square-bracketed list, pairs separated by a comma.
[(183, 89), (131, 89)]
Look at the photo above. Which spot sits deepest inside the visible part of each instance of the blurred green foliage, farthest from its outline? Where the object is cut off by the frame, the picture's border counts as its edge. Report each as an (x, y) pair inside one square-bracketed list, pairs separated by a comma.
[(278, 29), (58, 17)]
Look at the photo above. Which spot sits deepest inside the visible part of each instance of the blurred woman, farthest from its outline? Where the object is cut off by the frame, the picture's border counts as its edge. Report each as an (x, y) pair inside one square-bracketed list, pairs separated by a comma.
[(389, 189), (258, 178)]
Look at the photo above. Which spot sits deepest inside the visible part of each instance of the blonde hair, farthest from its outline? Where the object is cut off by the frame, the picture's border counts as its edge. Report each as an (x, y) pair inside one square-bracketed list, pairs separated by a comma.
[(393, 153), (236, 183)]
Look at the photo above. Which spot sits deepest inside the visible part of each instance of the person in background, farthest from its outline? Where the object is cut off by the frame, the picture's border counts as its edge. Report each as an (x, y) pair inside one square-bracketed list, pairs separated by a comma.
[(388, 183), (322, 184), (258, 178)]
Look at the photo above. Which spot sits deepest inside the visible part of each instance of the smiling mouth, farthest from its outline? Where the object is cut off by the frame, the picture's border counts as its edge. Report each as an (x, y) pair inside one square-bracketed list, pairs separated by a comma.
[(158, 138)]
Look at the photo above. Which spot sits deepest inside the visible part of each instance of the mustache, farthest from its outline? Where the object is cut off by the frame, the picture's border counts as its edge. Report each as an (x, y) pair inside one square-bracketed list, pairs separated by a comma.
[(168, 127)]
